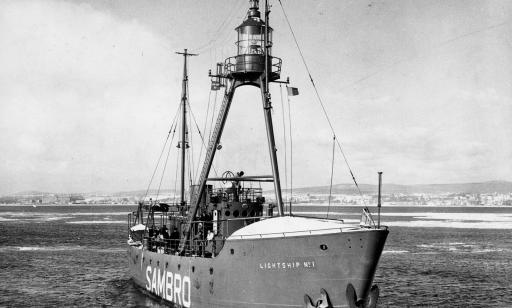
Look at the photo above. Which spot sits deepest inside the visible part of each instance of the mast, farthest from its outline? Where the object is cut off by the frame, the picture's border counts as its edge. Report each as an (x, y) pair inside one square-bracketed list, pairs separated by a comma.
[(253, 65), (184, 100), (267, 106)]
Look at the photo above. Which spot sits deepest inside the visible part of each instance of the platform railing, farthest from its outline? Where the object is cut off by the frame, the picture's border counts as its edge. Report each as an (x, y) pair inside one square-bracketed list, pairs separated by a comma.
[(251, 64)]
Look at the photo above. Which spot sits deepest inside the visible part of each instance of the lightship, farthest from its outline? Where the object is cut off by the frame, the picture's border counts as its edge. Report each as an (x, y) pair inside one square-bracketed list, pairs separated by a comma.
[(228, 246)]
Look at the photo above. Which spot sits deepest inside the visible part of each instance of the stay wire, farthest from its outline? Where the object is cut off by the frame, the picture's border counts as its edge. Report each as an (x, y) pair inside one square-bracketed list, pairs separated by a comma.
[(162, 151), (204, 128), (176, 176), (220, 31), (332, 174), (321, 103), (190, 141), (174, 123), (165, 166), (291, 147), (202, 142), (284, 139), (189, 162)]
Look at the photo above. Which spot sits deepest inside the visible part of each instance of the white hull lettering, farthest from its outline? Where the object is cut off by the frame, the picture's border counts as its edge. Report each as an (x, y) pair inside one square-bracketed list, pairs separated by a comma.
[(148, 272), (153, 283), (170, 286), (186, 291), (289, 265), (161, 283), (177, 288)]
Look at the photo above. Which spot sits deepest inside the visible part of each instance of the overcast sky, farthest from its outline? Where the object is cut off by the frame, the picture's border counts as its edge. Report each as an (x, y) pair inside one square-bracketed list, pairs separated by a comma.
[(421, 90)]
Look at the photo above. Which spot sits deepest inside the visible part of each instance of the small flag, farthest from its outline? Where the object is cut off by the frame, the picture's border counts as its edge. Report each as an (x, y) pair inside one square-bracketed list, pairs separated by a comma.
[(292, 91)]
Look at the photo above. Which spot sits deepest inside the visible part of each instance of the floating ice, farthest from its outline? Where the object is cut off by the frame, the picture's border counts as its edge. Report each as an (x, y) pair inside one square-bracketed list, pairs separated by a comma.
[(91, 222)]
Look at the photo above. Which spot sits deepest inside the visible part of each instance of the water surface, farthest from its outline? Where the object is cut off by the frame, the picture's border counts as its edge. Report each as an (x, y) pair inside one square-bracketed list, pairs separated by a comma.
[(435, 257)]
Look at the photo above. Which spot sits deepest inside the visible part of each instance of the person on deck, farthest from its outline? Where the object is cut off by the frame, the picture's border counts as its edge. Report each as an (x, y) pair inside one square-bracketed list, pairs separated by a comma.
[(174, 239), (199, 240)]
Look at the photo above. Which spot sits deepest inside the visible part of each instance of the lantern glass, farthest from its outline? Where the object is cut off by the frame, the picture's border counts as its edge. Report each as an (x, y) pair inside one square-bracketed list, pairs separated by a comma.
[(251, 40)]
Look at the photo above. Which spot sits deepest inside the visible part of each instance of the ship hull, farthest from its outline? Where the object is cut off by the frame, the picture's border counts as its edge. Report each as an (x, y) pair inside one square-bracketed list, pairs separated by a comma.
[(264, 272)]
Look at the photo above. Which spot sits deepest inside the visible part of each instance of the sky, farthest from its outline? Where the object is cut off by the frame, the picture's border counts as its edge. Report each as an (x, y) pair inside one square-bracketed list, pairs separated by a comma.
[(421, 90)]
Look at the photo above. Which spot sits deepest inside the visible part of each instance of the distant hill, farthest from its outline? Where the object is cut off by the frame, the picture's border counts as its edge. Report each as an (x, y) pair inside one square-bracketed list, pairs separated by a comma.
[(475, 188), (142, 192)]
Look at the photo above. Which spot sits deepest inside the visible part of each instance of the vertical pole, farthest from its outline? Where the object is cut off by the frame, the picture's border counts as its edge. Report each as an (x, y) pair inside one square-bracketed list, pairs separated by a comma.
[(267, 106), (379, 199), (183, 126), (184, 99)]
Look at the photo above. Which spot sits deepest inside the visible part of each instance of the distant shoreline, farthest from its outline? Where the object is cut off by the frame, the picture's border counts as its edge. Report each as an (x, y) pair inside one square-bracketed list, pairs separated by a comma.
[(293, 205)]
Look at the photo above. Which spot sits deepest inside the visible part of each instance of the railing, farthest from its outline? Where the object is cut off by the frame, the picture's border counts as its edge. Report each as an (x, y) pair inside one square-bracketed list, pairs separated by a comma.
[(196, 248), (244, 195), (252, 64), (204, 242)]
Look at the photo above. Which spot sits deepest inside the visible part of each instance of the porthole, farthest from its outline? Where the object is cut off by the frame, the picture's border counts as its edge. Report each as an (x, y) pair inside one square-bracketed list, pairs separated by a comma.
[(236, 213), (232, 251), (244, 213), (323, 247), (227, 213)]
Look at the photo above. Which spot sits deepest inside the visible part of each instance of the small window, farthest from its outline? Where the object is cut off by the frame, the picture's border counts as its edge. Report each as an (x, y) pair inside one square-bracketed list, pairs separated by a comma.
[(244, 213), (227, 213), (236, 213)]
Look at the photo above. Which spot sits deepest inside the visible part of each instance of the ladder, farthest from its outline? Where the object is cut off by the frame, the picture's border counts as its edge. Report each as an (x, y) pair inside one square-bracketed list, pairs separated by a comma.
[(210, 154)]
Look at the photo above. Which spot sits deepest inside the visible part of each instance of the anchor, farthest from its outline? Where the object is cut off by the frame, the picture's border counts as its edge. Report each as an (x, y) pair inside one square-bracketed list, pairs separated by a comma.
[(322, 302), (370, 302)]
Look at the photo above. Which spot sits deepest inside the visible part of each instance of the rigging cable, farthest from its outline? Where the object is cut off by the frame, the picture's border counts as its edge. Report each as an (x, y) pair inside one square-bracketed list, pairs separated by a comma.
[(213, 115), (190, 163), (332, 173), (189, 141), (161, 152), (204, 128), (321, 103), (174, 123), (221, 29), (176, 176), (284, 140), (291, 147), (202, 140), (165, 166)]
